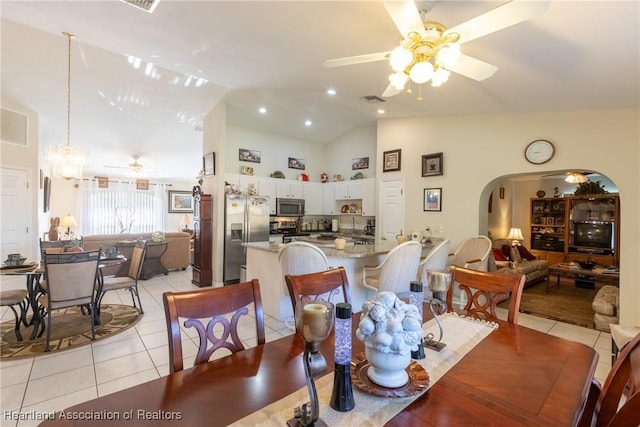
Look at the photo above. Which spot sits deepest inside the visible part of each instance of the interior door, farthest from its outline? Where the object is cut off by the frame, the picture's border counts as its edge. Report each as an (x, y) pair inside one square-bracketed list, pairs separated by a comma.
[(391, 220), (15, 213)]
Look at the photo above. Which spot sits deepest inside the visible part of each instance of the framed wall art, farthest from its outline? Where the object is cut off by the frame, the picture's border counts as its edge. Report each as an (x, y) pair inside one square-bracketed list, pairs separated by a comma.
[(432, 164), (433, 199), (142, 184), (296, 163), (245, 155), (180, 201), (360, 163), (209, 164), (391, 160)]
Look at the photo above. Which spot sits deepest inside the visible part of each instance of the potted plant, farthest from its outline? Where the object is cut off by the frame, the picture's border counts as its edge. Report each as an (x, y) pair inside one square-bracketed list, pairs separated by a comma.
[(588, 188), (390, 329)]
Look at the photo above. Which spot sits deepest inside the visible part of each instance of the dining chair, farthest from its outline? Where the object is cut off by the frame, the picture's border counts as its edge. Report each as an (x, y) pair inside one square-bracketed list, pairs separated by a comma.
[(129, 282), (472, 253), (11, 298), (436, 259), (300, 258), (222, 309), (605, 405), (323, 284), (484, 291), (396, 271), (71, 277)]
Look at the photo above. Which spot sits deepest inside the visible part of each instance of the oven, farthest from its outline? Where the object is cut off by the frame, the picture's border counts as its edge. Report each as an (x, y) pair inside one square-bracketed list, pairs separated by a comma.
[(290, 207)]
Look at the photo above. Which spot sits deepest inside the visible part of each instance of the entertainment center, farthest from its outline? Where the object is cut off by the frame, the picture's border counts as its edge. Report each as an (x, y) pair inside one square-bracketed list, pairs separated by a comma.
[(576, 228)]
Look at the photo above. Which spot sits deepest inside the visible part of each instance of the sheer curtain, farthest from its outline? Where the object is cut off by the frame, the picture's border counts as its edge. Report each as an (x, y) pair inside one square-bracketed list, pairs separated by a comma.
[(121, 208)]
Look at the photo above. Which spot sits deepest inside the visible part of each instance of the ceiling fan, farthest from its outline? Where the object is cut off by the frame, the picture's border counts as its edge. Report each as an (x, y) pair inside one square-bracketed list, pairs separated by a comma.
[(572, 177), (135, 168), (430, 51)]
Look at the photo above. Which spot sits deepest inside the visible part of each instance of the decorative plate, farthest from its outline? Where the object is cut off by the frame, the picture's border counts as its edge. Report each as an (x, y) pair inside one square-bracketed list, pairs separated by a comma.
[(418, 379), (27, 266)]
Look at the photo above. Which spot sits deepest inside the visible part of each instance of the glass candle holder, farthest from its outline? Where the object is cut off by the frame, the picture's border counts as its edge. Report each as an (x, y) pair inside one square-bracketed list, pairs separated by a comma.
[(342, 395)]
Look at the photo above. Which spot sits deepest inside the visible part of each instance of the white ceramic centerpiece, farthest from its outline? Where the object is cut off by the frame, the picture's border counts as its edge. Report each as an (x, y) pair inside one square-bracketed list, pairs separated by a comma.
[(390, 329)]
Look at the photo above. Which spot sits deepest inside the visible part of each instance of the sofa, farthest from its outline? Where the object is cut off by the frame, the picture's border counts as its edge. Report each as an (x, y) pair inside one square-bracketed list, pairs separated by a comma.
[(175, 258), (513, 260), (605, 306)]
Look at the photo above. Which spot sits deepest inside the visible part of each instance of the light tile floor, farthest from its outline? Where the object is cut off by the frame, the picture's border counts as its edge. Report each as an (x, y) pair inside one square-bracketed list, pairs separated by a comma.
[(140, 354)]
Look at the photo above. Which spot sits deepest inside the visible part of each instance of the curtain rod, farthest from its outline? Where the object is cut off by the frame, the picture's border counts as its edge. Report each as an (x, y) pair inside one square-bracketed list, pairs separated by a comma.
[(125, 182)]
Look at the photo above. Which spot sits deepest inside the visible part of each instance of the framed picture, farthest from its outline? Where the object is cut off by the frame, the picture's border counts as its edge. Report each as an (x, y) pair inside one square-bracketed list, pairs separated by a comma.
[(391, 161), (432, 164), (360, 163), (103, 181), (142, 184), (209, 164), (559, 221), (433, 199), (180, 202), (296, 163), (245, 155)]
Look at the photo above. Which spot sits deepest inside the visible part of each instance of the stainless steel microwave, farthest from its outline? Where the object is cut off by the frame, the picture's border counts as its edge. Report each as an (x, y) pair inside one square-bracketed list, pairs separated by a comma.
[(289, 207)]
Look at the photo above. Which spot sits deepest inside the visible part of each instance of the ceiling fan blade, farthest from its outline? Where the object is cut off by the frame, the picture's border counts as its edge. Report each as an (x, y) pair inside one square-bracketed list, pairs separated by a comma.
[(501, 17), (474, 68), (406, 16), (358, 59), (390, 91), (117, 167)]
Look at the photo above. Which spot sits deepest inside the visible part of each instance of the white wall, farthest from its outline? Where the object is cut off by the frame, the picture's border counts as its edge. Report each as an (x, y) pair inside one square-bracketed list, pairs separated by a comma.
[(478, 150), (360, 142)]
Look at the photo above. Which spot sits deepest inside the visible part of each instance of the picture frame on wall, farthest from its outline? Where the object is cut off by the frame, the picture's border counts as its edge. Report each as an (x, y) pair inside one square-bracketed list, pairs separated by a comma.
[(433, 199), (180, 201), (209, 164), (296, 163), (391, 160), (360, 163), (47, 193), (432, 164), (252, 156)]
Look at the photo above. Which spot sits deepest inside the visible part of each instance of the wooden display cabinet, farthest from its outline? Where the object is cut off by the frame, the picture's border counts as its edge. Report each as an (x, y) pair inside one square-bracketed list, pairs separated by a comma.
[(202, 238), (548, 229)]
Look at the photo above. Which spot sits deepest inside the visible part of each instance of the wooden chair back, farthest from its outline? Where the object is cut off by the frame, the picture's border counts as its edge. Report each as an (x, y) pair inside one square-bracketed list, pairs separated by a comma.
[(223, 307), (323, 284), (603, 407), (484, 291)]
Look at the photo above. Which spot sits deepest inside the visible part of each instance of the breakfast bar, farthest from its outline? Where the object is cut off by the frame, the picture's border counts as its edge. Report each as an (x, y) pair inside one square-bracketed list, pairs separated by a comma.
[(262, 264)]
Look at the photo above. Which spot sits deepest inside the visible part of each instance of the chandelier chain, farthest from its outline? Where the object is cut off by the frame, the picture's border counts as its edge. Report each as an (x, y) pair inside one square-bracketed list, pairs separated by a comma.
[(69, 37)]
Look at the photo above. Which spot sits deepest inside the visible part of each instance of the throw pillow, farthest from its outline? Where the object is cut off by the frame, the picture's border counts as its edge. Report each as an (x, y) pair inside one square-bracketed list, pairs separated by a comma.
[(506, 250), (524, 253), (498, 255), (515, 255)]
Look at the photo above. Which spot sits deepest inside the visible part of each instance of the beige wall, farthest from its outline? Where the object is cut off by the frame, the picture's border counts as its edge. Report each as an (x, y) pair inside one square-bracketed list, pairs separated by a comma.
[(478, 150)]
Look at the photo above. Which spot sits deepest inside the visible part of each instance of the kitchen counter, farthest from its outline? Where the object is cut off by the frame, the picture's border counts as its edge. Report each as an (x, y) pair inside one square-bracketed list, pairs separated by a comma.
[(263, 264)]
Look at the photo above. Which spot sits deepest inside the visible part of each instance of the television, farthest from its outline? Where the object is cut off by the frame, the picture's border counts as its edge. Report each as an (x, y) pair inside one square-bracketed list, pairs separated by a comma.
[(593, 234)]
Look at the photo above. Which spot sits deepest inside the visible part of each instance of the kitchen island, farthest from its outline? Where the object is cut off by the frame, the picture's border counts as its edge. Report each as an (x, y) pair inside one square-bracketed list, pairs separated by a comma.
[(262, 264)]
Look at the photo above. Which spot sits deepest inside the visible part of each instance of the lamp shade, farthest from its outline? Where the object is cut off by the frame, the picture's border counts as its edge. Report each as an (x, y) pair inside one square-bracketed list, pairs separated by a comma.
[(185, 221), (68, 221), (575, 178), (515, 234)]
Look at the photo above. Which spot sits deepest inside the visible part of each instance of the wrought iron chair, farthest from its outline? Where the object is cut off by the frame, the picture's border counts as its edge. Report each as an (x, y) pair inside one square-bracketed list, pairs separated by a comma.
[(484, 291), (71, 277), (221, 306), (11, 298)]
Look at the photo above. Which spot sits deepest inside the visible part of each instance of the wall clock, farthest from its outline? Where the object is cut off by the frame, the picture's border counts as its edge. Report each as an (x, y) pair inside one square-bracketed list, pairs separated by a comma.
[(539, 151)]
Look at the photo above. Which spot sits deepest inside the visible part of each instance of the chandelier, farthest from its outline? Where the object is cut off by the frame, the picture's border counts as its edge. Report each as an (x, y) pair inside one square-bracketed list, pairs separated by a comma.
[(67, 161), (423, 58)]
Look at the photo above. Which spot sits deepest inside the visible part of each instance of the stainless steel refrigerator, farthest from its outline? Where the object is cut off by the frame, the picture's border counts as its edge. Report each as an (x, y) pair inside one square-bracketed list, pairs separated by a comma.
[(246, 219)]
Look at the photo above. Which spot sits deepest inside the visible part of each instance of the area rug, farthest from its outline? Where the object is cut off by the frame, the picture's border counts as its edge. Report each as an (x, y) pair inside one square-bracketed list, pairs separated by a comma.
[(567, 303), (71, 329)]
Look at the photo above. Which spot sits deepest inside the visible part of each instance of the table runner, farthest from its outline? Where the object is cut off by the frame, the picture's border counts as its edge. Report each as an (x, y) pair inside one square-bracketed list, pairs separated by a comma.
[(460, 334)]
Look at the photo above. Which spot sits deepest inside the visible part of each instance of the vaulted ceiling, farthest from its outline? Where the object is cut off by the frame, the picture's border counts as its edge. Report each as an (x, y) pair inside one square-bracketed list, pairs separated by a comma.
[(576, 55)]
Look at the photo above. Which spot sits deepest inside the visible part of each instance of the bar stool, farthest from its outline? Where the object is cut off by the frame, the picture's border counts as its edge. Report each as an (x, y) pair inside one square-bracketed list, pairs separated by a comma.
[(12, 298)]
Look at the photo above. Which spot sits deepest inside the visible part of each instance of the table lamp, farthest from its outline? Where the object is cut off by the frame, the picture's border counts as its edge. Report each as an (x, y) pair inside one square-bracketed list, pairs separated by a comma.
[(314, 322), (68, 221), (515, 235), (185, 222)]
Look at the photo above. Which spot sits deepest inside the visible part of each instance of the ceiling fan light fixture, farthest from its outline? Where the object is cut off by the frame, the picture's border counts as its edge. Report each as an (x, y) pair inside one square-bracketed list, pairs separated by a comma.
[(448, 55), (400, 58), (421, 72), (575, 178), (440, 76), (398, 80)]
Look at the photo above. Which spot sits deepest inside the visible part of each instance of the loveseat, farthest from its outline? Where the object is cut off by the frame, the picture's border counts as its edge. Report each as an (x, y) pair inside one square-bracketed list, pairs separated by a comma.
[(176, 256), (507, 259)]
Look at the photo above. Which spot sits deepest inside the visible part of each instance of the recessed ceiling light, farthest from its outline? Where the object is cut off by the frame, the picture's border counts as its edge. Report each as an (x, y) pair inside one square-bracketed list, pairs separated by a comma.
[(331, 92), (381, 111), (262, 110), (307, 123)]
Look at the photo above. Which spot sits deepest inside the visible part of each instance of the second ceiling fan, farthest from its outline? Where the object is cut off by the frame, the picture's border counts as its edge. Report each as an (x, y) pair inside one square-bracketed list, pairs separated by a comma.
[(428, 51)]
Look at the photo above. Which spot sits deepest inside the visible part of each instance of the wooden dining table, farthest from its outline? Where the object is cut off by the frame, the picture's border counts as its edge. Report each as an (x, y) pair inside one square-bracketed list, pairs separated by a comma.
[(514, 376)]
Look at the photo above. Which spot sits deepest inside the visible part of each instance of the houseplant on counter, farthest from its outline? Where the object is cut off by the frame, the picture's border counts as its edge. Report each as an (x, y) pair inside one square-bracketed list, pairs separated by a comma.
[(390, 329), (589, 188)]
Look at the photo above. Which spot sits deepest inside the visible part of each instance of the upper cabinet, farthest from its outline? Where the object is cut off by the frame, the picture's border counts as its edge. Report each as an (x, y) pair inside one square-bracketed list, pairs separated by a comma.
[(290, 190), (348, 190), (313, 198), (369, 197)]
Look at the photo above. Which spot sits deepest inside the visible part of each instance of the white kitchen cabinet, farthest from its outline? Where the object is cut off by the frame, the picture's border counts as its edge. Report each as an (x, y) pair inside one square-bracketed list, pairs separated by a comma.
[(313, 198), (369, 197), (290, 190), (348, 190), (268, 189), (328, 199)]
